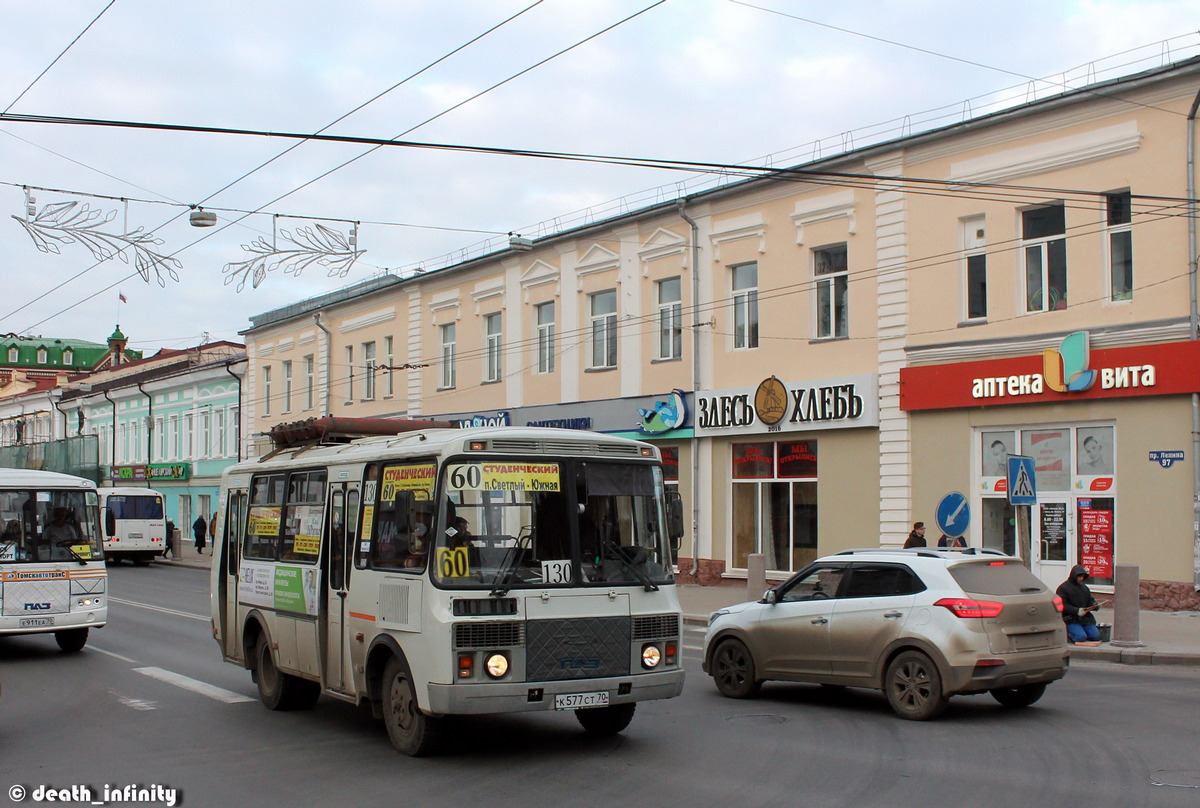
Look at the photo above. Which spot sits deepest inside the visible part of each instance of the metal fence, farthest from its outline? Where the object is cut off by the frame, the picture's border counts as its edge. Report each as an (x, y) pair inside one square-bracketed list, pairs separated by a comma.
[(79, 456)]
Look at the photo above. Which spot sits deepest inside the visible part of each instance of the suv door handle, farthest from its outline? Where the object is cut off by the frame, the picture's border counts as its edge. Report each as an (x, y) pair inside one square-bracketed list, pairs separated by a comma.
[(893, 614), (819, 621)]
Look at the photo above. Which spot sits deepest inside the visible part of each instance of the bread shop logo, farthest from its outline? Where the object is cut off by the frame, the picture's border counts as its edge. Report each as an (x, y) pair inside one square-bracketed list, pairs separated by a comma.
[(1064, 370)]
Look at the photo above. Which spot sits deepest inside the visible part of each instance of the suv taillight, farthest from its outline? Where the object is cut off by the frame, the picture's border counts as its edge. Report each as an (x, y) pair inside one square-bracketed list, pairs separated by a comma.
[(1058, 603), (965, 607)]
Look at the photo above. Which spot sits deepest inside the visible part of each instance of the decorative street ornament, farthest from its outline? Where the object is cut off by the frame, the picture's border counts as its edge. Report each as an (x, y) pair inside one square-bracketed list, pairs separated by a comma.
[(295, 252), (79, 223)]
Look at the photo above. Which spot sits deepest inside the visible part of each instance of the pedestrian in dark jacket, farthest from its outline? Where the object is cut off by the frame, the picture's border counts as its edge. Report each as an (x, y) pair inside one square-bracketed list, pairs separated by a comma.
[(917, 537), (200, 531), (169, 539), (1079, 607)]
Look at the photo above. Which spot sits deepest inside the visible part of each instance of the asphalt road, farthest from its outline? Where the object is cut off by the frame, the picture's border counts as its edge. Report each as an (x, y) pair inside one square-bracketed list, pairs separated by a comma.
[(149, 702)]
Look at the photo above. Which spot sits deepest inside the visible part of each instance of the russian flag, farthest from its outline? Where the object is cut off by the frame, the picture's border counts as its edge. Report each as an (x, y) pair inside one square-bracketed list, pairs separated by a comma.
[(121, 297)]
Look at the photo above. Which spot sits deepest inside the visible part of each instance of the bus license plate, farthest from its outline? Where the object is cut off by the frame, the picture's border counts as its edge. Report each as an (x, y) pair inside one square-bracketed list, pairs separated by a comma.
[(35, 622), (573, 701)]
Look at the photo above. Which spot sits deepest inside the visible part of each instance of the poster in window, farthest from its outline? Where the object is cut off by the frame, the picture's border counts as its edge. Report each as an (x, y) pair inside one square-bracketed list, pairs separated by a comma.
[(670, 463), (798, 458), (753, 461), (1096, 542), (1094, 451), (995, 449), (1051, 453)]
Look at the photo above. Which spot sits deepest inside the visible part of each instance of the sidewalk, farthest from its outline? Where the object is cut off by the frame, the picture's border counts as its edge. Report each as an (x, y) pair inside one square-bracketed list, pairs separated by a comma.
[(1168, 638)]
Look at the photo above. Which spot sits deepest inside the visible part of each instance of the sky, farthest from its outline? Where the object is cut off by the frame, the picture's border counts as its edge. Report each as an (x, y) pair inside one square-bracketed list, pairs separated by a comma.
[(763, 82)]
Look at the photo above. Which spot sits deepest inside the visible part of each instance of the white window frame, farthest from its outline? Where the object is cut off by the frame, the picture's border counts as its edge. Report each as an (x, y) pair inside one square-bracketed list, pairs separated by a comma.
[(310, 368), (743, 285), (493, 346), (669, 292), (832, 288), (43, 356), (349, 373), (389, 348), (369, 363), (603, 329), (1043, 247), (974, 261), (449, 356), (266, 384), (287, 385), (545, 336), (1121, 230), (14, 355)]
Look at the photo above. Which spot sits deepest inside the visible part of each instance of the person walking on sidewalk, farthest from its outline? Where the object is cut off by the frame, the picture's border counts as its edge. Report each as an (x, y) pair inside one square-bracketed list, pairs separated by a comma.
[(1079, 607), (200, 532), (169, 539), (917, 537)]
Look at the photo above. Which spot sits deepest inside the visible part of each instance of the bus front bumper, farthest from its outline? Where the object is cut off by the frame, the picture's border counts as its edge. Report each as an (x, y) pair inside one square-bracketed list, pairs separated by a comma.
[(481, 698)]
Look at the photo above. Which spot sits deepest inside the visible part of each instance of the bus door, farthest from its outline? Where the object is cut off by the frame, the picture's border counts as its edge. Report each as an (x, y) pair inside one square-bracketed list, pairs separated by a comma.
[(343, 525), (227, 556)]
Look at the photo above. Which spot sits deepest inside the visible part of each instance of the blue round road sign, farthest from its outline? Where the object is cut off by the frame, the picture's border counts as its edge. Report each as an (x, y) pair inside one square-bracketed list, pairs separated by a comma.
[(953, 514)]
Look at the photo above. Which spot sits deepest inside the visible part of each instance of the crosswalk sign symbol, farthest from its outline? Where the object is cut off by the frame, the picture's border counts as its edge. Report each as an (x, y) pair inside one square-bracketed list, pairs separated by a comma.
[(1022, 482)]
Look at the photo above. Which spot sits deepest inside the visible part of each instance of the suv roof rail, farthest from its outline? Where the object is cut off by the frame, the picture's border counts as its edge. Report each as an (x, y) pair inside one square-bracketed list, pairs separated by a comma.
[(928, 552), (986, 551)]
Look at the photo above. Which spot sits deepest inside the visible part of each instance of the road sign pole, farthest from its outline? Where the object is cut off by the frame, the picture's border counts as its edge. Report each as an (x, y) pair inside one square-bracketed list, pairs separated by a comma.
[(1024, 546)]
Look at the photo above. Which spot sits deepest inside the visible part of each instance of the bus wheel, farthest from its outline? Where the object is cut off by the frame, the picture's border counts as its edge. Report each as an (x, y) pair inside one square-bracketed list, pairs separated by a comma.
[(71, 639), (605, 721), (412, 732), (278, 690)]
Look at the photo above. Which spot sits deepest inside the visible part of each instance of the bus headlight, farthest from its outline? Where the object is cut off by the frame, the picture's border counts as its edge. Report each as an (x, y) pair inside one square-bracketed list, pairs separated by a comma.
[(651, 656), (497, 665)]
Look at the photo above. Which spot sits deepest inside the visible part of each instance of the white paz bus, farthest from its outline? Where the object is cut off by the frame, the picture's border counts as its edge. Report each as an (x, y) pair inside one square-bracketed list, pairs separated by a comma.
[(52, 573), (446, 571), (135, 525)]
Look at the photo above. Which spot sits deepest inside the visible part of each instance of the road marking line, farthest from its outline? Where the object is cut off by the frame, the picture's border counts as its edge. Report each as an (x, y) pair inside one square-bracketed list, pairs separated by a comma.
[(112, 654), (194, 685), (162, 609)]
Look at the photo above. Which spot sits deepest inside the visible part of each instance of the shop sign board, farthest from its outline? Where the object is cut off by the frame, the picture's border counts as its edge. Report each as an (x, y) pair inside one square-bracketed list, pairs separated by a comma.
[(1067, 373), (778, 406)]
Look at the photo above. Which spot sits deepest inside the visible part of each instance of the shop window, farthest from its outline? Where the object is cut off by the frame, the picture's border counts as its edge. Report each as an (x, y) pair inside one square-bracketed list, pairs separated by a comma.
[(774, 513), (1097, 541), (1050, 449), (994, 452)]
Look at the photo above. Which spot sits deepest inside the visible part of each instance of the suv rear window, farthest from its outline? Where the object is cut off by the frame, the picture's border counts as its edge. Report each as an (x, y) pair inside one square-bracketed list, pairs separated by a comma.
[(1008, 577)]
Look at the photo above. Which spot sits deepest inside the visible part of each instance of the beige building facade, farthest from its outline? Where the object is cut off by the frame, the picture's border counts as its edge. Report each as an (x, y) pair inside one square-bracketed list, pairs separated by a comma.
[(829, 353)]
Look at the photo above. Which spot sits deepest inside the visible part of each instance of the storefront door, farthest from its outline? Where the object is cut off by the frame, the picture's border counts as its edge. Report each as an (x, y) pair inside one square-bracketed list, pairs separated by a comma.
[(1053, 538)]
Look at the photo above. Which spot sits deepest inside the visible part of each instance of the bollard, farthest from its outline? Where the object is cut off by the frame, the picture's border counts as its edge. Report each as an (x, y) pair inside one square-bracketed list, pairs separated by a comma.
[(176, 539), (1127, 606), (756, 576)]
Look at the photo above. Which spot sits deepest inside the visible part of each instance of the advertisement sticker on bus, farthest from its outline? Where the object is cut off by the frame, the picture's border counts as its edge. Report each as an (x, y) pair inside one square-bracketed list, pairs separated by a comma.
[(308, 538), (531, 477), (417, 477), (264, 521), (288, 589)]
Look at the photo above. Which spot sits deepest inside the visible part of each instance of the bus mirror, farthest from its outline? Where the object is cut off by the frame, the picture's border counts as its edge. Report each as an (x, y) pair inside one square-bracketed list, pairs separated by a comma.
[(674, 518), (110, 522)]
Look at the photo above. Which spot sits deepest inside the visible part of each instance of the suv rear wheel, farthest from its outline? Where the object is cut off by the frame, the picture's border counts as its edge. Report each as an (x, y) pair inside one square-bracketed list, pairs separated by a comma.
[(1019, 696), (914, 687)]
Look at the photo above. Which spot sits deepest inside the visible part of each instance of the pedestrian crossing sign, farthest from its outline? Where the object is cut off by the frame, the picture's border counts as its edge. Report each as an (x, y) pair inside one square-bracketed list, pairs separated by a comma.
[(1022, 483)]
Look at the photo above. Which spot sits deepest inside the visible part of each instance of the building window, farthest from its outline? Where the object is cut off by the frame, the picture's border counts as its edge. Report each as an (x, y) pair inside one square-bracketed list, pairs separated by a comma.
[(775, 503), (745, 306), (493, 347), (42, 356), (13, 354), (1120, 245), (309, 381), (833, 284), (449, 356), (368, 370), (68, 357), (266, 384), (287, 386), (1043, 231), (389, 350), (545, 337), (670, 319), (974, 241), (349, 373), (604, 329), (235, 433)]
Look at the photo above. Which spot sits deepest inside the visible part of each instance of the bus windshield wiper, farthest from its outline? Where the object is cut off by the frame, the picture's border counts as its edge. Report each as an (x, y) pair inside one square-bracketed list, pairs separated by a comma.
[(82, 561), (644, 579), (507, 571)]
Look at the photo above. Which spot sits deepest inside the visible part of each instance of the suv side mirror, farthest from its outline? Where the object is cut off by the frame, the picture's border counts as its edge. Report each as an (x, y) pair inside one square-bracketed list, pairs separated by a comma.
[(769, 597)]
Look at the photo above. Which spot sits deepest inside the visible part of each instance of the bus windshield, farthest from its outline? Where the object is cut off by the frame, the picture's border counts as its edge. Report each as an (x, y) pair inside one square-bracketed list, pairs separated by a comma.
[(54, 525), (511, 523)]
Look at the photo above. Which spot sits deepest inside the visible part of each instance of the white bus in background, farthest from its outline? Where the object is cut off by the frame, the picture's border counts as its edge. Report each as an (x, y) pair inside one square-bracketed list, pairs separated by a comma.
[(451, 572), (52, 573), (135, 525)]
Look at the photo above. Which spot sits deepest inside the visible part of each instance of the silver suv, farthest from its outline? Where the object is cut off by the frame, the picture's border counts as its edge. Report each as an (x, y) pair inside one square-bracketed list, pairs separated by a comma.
[(920, 625)]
